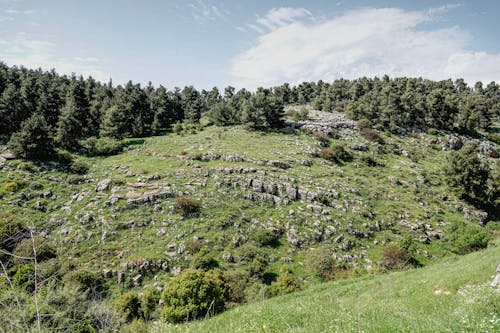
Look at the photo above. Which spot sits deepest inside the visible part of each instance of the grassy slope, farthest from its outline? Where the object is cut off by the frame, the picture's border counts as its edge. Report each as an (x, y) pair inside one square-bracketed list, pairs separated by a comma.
[(397, 302)]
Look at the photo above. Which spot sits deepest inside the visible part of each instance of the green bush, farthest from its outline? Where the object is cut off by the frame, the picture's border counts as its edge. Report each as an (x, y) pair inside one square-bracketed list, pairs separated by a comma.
[(341, 153), (285, 284), (203, 260), (258, 266), (102, 146), (248, 252), (12, 230), (466, 237), (236, 283), (128, 306), (364, 123), (369, 160), (187, 206), (264, 237), (149, 302), (42, 246), (191, 295), (24, 277), (320, 262), (79, 167), (85, 280)]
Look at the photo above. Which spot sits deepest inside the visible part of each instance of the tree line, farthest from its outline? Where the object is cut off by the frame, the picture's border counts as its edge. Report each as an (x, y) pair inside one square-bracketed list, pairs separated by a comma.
[(61, 110)]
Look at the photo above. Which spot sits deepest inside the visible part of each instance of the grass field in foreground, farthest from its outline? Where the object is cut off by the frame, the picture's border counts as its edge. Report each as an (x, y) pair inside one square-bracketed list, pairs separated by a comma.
[(452, 295)]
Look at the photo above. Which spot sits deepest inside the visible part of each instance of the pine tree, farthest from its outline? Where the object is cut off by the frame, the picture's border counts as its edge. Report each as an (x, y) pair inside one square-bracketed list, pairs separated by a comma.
[(69, 126), (33, 141)]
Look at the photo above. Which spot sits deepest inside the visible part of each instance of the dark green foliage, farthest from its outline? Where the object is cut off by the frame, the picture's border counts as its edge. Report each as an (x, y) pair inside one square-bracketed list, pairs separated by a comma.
[(191, 295), (258, 265), (26, 248), (223, 114), (12, 230), (262, 111), (264, 237), (69, 126), (79, 167), (24, 277), (128, 306), (114, 123), (248, 252), (33, 140), (102, 146), (187, 206), (468, 177), (204, 260), (466, 237), (341, 153), (86, 281)]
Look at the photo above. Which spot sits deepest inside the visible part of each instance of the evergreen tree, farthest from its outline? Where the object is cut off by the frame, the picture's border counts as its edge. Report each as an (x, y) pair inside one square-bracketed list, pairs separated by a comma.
[(33, 140), (69, 126), (164, 113), (114, 123), (12, 111)]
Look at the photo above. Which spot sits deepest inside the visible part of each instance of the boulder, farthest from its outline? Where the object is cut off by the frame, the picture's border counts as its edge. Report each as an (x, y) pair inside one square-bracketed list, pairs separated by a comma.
[(103, 185)]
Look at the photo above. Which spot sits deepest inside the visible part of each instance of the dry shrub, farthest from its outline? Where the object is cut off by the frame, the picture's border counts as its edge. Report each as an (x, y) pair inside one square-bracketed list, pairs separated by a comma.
[(187, 206), (372, 135)]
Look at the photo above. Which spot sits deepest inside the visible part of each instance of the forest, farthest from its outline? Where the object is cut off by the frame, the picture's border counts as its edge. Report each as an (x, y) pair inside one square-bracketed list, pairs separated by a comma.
[(43, 110)]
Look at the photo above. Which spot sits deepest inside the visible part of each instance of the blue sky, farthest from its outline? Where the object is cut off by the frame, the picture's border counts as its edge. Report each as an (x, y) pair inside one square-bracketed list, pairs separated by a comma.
[(252, 43)]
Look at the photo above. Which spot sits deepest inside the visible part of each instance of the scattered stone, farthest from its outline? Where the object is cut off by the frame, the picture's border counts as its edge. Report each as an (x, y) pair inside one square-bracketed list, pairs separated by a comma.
[(455, 143), (103, 185), (394, 180), (279, 164), (40, 206)]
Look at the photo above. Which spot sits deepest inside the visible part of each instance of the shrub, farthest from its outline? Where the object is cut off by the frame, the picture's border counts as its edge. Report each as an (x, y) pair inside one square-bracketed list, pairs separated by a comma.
[(372, 135), (320, 262), (264, 237), (187, 206), (177, 128), (79, 167), (75, 179), (328, 155), (33, 141), (297, 115), (191, 295), (106, 146), (15, 185), (493, 137), (85, 280), (203, 260), (285, 284), (43, 248), (466, 237), (149, 301), (194, 245), (128, 306), (341, 153), (236, 282), (369, 160), (24, 277), (394, 257), (248, 252), (258, 265), (364, 123), (12, 230)]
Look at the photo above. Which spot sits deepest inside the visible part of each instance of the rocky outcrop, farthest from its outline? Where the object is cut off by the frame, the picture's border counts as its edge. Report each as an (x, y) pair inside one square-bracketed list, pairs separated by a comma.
[(150, 198)]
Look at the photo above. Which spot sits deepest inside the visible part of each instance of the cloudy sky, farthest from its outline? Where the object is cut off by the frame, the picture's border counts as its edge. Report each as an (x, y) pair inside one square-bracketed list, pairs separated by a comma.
[(253, 43)]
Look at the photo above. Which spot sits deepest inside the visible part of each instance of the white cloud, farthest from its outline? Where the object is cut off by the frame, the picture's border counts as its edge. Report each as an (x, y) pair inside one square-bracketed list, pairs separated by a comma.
[(364, 42), (32, 53), (278, 17), (203, 11)]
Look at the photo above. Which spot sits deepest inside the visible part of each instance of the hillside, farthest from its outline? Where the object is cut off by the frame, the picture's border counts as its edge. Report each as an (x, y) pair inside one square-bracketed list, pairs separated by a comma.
[(453, 295), (259, 206)]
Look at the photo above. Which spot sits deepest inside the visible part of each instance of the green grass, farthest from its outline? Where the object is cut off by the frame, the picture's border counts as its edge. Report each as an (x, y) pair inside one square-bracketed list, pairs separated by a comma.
[(407, 301)]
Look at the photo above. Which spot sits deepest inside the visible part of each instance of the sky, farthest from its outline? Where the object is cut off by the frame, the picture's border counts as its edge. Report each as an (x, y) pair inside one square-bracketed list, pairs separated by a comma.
[(255, 43)]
